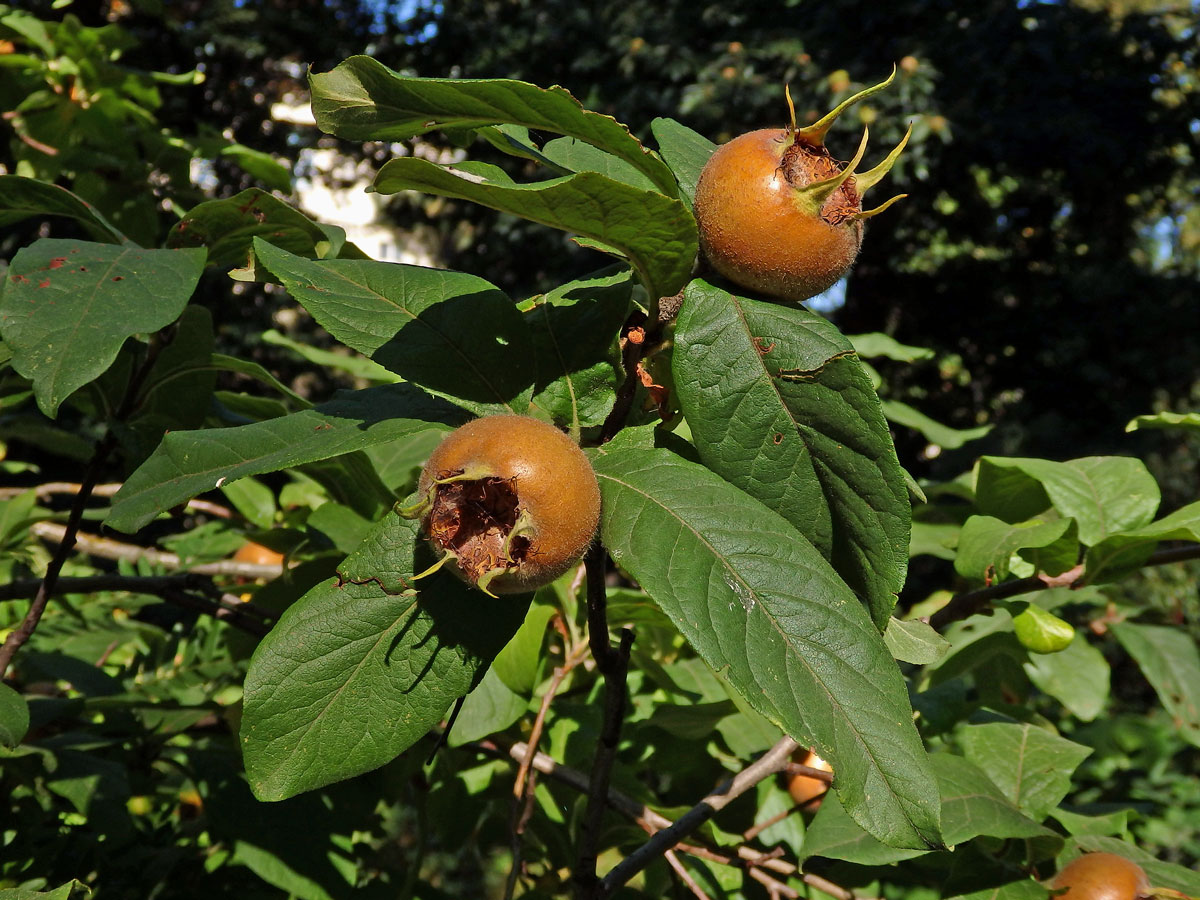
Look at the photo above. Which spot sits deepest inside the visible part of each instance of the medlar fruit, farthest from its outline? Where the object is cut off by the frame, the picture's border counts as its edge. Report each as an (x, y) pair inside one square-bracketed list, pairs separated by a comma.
[(509, 502), (779, 215), (1101, 876)]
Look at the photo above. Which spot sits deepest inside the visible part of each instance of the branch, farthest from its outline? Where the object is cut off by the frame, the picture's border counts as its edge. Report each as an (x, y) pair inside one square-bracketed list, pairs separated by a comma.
[(614, 666), (106, 548), (771, 762), (754, 861), (971, 602), (632, 352), (177, 589), (51, 488)]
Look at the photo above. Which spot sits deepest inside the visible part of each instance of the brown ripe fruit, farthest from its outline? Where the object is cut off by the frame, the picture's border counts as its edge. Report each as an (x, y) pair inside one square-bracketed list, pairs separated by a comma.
[(805, 789), (251, 552), (778, 214), (1101, 876), (509, 502)]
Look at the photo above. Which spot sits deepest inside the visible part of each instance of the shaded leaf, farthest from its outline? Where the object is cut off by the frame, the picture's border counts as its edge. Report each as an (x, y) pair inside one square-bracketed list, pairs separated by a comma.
[(454, 334), (757, 601), (656, 233), (14, 717), (971, 806), (574, 329), (579, 156), (685, 151), (1119, 554), (363, 100), (779, 405), (70, 305), (986, 544), (353, 675), (1077, 677), (188, 463), (1032, 766), (492, 706), (1170, 660), (22, 197), (227, 228), (933, 431), (1104, 494)]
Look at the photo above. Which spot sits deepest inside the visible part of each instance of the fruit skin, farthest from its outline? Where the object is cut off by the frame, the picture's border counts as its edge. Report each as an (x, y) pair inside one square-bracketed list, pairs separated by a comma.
[(804, 788), (757, 230), (554, 504), (256, 553), (1101, 876)]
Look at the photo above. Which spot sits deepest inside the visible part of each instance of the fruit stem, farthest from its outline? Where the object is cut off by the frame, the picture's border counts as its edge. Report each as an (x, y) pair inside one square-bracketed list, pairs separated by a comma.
[(814, 134)]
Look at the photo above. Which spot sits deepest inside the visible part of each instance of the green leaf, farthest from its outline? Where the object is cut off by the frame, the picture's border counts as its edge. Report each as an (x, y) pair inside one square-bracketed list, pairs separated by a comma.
[(227, 228), (574, 329), (684, 150), (14, 717), (915, 642), (188, 463), (986, 544), (353, 675), (1104, 494), (1077, 677), (1032, 766), (490, 707), (363, 100), (1119, 554), (578, 156), (971, 806), (1170, 660), (22, 197), (70, 305), (874, 344), (935, 432), (757, 601), (454, 334), (779, 405), (253, 499), (354, 365), (518, 664), (656, 233), (72, 890), (1190, 421)]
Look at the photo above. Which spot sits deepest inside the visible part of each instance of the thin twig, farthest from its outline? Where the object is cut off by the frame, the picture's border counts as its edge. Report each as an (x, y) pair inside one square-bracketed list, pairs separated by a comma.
[(970, 602), (631, 354), (745, 857), (51, 488), (771, 762), (106, 548), (174, 589), (685, 876)]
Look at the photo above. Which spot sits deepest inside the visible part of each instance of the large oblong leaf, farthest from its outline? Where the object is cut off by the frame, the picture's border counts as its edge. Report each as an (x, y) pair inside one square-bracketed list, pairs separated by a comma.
[(780, 405), (363, 100), (454, 334), (656, 233), (70, 305), (354, 673), (758, 602), (22, 197), (188, 463)]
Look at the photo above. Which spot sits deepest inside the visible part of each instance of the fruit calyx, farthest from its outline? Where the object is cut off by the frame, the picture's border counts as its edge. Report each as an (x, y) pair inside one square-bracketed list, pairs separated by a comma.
[(824, 186), (508, 503), (477, 521)]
